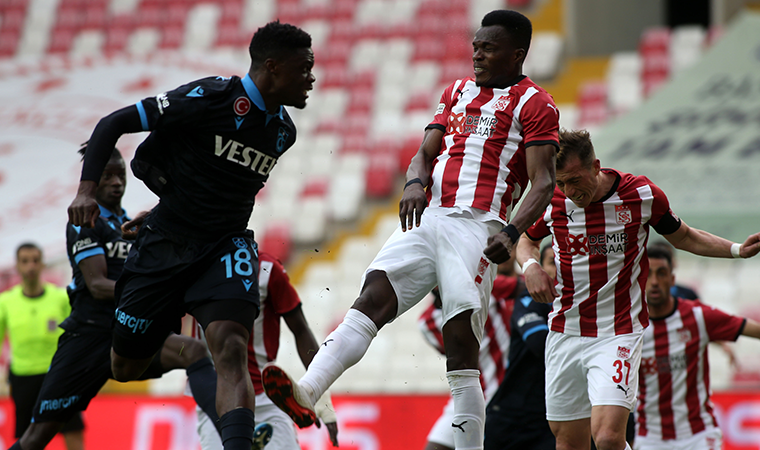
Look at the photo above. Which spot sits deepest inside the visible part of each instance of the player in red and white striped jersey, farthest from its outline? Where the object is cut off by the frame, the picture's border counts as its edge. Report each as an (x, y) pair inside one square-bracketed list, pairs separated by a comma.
[(494, 347), (674, 409), (599, 220), (490, 135), (279, 300)]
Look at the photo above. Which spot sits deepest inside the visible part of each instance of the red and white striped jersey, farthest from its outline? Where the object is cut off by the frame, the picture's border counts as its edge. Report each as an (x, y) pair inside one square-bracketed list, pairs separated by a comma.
[(494, 347), (277, 297), (483, 151), (600, 253), (674, 376)]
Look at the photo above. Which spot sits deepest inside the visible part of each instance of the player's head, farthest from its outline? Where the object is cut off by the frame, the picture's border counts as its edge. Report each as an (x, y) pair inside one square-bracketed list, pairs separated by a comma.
[(665, 246), (29, 263), (282, 52), (547, 260), (661, 277), (112, 182), (577, 167), (499, 47)]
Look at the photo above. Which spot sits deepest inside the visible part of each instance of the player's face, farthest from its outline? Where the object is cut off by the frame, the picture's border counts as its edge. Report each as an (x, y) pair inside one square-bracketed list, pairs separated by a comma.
[(293, 78), (577, 182), (495, 59), (29, 264), (112, 184), (547, 263), (659, 281)]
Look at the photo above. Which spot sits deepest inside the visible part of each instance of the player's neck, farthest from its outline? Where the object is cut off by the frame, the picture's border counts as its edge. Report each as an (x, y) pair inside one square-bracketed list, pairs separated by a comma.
[(664, 310), (32, 288), (606, 181)]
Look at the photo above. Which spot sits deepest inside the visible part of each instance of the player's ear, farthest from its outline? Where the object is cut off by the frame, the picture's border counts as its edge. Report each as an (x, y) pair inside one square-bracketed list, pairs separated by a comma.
[(271, 65)]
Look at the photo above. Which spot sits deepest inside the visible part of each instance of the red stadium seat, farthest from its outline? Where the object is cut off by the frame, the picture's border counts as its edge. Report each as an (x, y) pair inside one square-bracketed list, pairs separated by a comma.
[(381, 175), (276, 240), (9, 42), (362, 100)]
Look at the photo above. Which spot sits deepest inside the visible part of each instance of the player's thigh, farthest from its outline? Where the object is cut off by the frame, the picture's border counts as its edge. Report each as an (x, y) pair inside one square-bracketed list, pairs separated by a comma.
[(613, 369), (408, 260), (80, 367), (465, 276), (442, 433), (284, 434), (566, 383)]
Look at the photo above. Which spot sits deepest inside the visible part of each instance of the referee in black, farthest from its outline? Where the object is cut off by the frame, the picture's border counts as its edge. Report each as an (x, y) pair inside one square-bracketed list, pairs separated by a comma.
[(212, 144)]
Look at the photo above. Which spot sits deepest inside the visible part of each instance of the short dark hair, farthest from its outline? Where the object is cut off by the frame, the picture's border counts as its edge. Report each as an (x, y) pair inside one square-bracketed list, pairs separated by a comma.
[(28, 246), (275, 38), (657, 252), (577, 143), (517, 26), (83, 149), (543, 252)]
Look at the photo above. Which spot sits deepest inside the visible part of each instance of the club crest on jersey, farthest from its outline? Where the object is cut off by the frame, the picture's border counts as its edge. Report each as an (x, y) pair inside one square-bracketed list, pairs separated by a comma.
[(241, 106), (623, 352), (623, 215), (282, 138), (502, 103), (239, 242), (684, 335)]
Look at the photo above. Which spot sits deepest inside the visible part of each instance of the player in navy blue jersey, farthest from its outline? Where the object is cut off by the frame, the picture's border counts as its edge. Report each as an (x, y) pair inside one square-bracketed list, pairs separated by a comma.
[(212, 145), (516, 415), (82, 363)]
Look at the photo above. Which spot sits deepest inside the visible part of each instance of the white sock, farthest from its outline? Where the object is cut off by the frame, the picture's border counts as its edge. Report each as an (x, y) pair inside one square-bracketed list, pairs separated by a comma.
[(343, 348), (469, 409)]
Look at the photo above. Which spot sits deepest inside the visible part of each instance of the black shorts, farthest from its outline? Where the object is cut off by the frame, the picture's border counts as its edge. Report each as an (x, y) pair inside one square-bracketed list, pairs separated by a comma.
[(510, 432), (24, 390), (166, 276), (80, 367)]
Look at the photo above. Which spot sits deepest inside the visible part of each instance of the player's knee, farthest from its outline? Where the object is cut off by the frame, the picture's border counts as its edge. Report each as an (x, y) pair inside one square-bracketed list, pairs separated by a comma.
[(609, 440), (124, 370), (39, 435), (231, 352), (378, 299)]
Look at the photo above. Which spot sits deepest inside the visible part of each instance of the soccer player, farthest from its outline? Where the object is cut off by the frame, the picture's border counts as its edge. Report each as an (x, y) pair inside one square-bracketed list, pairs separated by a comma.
[(674, 410), (516, 415), (489, 136), (279, 300), (81, 364), (212, 145), (492, 359), (599, 220), (30, 314)]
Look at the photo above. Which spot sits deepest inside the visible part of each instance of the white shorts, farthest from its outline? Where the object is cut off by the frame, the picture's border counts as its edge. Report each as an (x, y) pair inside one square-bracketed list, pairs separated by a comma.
[(710, 439), (442, 433), (582, 372), (444, 251), (283, 437)]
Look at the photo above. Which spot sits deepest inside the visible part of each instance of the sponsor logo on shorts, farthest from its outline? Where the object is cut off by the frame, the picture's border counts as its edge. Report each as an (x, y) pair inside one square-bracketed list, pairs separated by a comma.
[(58, 404), (133, 323), (482, 266), (623, 352)]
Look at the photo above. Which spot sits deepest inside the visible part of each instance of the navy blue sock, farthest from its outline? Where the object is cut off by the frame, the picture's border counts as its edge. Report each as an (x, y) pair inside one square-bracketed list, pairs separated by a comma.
[(16, 446), (202, 378), (237, 429)]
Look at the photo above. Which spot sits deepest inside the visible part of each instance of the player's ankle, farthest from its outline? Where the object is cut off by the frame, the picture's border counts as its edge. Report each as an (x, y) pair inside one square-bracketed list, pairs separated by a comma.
[(308, 394)]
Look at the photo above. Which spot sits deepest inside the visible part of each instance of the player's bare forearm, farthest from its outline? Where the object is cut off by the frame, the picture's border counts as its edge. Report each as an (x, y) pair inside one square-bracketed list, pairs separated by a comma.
[(527, 248), (84, 209), (539, 284), (414, 200), (306, 344), (542, 173), (751, 329), (703, 243)]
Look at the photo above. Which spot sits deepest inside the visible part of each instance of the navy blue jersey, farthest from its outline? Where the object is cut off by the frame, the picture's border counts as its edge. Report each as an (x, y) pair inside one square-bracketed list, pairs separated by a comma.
[(103, 239), (521, 392), (212, 146)]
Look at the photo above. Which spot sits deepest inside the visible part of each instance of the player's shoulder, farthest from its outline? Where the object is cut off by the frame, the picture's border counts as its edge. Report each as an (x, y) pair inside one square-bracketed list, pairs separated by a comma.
[(209, 87)]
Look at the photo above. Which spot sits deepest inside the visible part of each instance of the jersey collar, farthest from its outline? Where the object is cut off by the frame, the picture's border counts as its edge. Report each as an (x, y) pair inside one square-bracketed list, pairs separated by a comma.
[(108, 214), (256, 98)]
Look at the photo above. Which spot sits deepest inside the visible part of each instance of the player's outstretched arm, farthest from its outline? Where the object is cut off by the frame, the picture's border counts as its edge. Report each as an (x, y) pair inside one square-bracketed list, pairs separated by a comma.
[(751, 329), (84, 209), (540, 162), (702, 243), (414, 200), (539, 284)]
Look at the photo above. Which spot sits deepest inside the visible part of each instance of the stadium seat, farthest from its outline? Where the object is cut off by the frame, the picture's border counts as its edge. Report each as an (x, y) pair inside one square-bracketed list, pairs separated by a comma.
[(309, 224), (276, 241), (381, 174)]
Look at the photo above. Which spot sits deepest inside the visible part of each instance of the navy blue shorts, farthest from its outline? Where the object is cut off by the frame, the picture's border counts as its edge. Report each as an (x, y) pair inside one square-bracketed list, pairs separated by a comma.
[(166, 276)]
